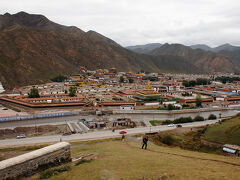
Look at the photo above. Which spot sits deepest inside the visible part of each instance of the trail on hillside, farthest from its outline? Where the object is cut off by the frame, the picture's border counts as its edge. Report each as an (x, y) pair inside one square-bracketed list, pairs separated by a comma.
[(186, 156)]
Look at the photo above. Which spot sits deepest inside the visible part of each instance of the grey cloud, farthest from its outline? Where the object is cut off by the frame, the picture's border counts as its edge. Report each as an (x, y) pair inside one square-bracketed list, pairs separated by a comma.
[(131, 22)]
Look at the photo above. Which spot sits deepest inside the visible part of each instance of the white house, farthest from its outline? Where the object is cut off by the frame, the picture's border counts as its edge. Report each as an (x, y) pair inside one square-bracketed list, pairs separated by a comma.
[(1, 88), (126, 107)]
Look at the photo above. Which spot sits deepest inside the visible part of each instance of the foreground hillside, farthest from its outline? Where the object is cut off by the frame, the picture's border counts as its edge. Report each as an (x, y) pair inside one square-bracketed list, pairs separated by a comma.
[(228, 132), (126, 160), (34, 49)]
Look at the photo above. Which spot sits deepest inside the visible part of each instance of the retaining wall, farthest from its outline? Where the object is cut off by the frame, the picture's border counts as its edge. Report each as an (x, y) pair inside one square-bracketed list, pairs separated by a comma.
[(29, 162)]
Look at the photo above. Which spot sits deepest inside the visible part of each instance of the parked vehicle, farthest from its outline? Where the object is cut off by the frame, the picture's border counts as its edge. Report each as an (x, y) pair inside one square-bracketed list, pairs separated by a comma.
[(178, 125), (171, 125), (4, 108), (122, 132), (21, 136), (67, 133)]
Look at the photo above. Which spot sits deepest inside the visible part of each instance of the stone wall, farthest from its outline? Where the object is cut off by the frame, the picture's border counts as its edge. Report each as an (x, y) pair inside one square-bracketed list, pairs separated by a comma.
[(30, 162)]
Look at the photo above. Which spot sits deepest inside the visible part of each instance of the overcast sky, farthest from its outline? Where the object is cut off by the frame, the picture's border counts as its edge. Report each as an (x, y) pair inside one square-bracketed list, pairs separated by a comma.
[(132, 22)]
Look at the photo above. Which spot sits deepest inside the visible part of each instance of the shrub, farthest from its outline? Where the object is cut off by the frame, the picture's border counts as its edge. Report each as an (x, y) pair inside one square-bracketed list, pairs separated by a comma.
[(47, 174), (212, 116), (72, 91), (198, 118), (169, 140), (167, 122), (183, 120), (130, 80)]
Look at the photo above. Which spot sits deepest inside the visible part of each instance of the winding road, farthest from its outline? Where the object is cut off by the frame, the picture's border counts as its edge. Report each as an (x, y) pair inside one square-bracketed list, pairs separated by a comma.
[(93, 135)]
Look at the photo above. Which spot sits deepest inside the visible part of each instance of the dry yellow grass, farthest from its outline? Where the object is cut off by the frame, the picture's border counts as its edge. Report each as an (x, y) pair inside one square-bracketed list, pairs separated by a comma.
[(125, 160)]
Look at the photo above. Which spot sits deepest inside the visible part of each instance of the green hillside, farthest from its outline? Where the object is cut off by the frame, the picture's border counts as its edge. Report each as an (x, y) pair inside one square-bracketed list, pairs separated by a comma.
[(228, 132)]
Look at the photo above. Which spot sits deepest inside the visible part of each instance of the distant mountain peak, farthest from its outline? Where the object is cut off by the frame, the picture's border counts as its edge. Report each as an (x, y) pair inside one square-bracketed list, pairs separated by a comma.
[(36, 21), (7, 14), (146, 48)]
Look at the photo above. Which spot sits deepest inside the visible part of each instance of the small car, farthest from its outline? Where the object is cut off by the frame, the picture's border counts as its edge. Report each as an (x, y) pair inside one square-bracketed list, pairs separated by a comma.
[(21, 136), (179, 125), (122, 132), (4, 108), (67, 133), (171, 125)]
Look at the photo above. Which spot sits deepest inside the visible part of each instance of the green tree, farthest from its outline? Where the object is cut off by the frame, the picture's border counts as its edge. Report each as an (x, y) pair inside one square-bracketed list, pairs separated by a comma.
[(170, 107), (59, 78), (33, 93), (121, 79), (72, 91), (130, 80), (198, 101), (185, 83), (192, 83)]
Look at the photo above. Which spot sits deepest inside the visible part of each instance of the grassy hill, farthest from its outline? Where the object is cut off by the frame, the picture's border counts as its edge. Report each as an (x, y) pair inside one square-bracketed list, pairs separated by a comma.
[(125, 160), (228, 132)]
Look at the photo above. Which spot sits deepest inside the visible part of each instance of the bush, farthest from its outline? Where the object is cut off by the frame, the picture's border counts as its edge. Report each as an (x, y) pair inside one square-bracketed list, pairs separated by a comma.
[(212, 117), (130, 80), (72, 91), (198, 118), (166, 122), (47, 174), (169, 140), (121, 79), (183, 120)]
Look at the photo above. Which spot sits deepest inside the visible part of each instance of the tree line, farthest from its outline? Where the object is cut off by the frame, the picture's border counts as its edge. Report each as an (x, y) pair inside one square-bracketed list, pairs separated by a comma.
[(225, 79), (198, 81)]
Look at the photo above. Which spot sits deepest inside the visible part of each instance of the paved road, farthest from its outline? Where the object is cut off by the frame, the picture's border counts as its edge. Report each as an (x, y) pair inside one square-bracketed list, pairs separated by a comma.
[(92, 135), (135, 117)]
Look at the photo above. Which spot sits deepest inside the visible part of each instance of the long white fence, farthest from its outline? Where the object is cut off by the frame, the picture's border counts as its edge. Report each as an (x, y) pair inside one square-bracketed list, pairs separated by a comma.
[(38, 116)]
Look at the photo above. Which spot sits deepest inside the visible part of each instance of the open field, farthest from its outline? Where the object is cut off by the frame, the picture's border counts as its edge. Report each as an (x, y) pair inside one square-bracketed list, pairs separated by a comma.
[(126, 160), (228, 132)]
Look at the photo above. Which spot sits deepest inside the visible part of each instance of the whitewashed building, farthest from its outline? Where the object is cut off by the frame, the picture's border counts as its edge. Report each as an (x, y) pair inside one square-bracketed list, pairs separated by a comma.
[(1, 88)]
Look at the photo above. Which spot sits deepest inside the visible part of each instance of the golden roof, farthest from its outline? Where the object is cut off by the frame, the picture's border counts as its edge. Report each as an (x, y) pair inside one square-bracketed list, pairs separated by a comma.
[(148, 91)]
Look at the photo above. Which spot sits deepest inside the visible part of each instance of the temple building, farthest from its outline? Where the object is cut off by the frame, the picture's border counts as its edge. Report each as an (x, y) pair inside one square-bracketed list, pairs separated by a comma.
[(148, 94)]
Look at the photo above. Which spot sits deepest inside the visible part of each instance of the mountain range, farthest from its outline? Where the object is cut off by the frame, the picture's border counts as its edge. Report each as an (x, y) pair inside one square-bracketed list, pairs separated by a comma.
[(34, 49), (224, 58)]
